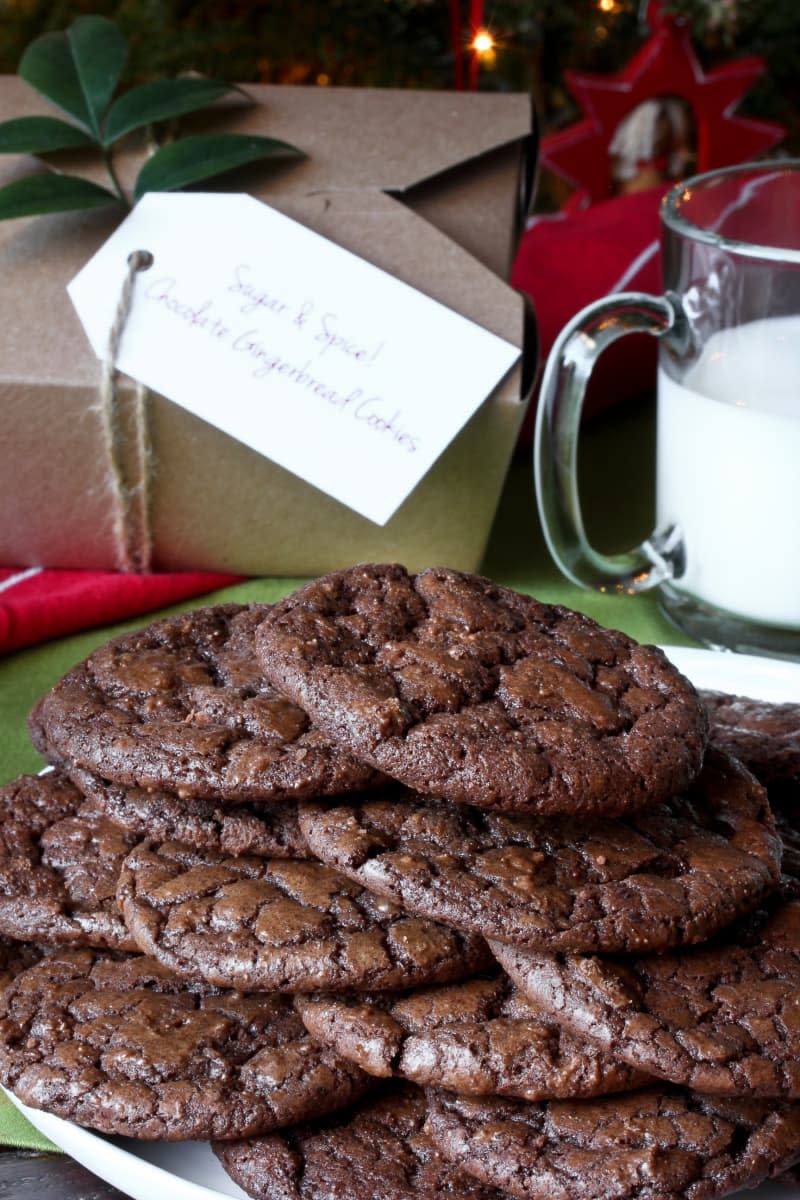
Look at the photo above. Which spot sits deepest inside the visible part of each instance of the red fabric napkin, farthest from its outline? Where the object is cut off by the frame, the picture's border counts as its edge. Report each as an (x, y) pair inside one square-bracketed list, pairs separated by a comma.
[(37, 605), (568, 259)]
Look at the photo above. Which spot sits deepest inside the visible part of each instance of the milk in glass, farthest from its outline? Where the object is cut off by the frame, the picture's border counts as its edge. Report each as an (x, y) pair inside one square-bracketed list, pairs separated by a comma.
[(729, 470)]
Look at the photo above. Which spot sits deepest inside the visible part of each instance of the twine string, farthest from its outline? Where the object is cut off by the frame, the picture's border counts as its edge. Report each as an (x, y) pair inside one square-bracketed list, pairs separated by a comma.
[(131, 501)]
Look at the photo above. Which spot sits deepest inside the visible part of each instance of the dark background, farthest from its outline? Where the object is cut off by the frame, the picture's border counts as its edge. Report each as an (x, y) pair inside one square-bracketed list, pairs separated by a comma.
[(411, 43)]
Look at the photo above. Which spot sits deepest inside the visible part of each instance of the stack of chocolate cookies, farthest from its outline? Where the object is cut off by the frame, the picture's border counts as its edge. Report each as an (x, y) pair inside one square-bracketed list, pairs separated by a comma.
[(408, 887)]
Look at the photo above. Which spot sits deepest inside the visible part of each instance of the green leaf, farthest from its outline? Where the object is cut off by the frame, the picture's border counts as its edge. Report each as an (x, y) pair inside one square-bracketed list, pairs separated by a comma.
[(99, 50), (49, 194), (77, 70), (48, 66), (159, 101), (193, 159), (38, 135)]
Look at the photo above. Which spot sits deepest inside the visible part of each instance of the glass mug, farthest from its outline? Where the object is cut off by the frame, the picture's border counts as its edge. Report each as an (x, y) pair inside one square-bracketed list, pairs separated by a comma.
[(725, 553)]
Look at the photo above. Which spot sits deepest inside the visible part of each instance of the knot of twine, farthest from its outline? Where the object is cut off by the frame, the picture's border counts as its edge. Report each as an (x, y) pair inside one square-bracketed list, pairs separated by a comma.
[(131, 500)]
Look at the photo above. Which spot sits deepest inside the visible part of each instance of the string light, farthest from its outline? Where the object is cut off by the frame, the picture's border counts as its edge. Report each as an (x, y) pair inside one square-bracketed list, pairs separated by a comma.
[(483, 42)]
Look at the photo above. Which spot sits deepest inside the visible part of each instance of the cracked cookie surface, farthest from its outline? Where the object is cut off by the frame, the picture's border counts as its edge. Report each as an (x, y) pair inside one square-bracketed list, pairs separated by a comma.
[(182, 705), (280, 924), (657, 1144), (377, 1151), (126, 1048), (269, 830), (15, 957), (475, 693), (668, 877), (786, 809), (722, 1018), (763, 735), (59, 868), (478, 1038)]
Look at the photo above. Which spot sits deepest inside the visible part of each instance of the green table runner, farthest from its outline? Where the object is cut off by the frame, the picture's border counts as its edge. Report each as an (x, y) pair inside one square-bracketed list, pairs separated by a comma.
[(616, 457)]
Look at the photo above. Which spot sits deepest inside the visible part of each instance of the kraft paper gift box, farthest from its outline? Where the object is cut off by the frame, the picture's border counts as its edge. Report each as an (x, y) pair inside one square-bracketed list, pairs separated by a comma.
[(431, 187)]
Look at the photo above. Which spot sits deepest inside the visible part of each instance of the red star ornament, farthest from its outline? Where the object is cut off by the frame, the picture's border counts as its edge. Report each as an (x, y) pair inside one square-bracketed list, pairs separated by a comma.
[(665, 66)]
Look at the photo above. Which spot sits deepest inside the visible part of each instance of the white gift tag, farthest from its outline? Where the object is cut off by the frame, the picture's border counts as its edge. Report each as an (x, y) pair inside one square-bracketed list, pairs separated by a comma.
[(318, 360)]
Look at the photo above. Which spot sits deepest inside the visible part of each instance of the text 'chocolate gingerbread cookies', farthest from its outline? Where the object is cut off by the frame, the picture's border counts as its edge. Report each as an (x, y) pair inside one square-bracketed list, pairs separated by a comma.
[(722, 1018), (671, 876), (379, 1151), (475, 693), (478, 1038), (657, 1144), (181, 705), (281, 925), (124, 1047)]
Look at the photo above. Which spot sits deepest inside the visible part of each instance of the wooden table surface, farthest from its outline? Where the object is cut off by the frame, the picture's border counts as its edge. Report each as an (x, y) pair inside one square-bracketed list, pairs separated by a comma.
[(29, 1175)]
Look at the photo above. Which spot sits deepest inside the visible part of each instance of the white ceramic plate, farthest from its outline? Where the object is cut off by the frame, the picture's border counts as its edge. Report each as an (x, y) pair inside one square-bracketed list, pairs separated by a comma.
[(189, 1171)]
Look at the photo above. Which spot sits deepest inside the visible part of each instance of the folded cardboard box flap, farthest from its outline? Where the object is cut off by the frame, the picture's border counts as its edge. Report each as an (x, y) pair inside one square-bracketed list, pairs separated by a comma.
[(213, 502), (456, 158), (352, 138)]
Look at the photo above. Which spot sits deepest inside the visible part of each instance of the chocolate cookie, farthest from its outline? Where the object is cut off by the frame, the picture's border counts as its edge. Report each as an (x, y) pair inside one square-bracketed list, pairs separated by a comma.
[(472, 692), (58, 869), (15, 957), (378, 1152), (785, 801), (478, 1038), (182, 705), (126, 1048), (283, 925), (269, 830), (658, 1144), (723, 1018), (668, 877), (764, 736)]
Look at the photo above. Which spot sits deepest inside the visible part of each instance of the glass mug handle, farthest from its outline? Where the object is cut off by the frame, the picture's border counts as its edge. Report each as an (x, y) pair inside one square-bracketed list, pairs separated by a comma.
[(555, 451)]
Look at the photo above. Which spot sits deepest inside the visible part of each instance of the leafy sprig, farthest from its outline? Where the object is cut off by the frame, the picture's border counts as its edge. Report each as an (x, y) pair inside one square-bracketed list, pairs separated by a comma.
[(79, 71)]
